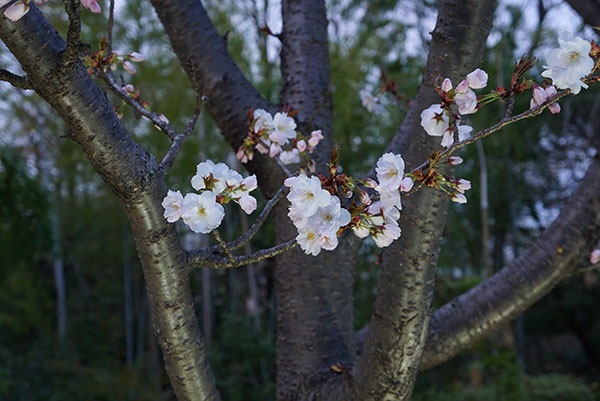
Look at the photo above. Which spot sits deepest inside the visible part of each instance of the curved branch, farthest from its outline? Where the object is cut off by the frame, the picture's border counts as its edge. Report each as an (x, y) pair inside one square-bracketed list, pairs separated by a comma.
[(132, 173), (502, 297), (15, 80), (388, 365), (203, 54)]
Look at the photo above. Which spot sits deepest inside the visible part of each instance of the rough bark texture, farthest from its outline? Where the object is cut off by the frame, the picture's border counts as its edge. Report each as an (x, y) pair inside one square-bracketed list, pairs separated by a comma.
[(131, 172), (589, 10), (314, 294), (388, 365), (203, 54), (502, 297)]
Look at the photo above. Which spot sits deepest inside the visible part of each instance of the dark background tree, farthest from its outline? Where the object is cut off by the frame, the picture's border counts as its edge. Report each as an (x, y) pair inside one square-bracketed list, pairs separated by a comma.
[(314, 298)]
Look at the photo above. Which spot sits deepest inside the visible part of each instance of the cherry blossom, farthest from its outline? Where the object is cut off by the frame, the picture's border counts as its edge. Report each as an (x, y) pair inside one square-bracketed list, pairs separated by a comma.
[(284, 128), (92, 5), (390, 170), (569, 63), (435, 120), (466, 102), (173, 205), (477, 79), (446, 85), (455, 160), (306, 194), (290, 157), (262, 120), (541, 96), (210, 176), (201, 212), (463, 133)]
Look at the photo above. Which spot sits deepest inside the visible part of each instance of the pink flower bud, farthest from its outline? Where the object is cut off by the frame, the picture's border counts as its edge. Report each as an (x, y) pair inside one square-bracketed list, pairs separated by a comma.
[(539, 95), (136, 57), (551, 91), (455, 160), (459, 198), (129, 67), (463, 185), (317, 134), (477, 79), (406, 184), (532, 104), (129, 88), (595, 256), (370, 183), (364, 197), (274, 150), (554, 108), (301, 145), (241, 155), (446, 85), (313, 142), (262, 148), (462, 87)]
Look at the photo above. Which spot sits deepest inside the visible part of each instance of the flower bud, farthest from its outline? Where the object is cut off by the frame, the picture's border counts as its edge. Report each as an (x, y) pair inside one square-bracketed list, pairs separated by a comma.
[(455, 160), (136, 57), (477, 79), (301, 145), (539, 95), (370, 183), (459, 198), (446, 85), (462, 87), (595, 256)]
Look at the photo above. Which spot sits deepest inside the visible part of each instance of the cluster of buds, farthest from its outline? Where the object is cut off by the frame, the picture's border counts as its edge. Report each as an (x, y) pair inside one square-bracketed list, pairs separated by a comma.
[(542, 95), (216, 184), (277, 136), (101, 58)]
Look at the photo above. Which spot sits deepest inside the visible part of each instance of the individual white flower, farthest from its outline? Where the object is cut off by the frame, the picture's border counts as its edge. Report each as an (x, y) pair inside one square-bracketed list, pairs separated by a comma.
[(219, 176), (262, 120), (309, 242), (390, 170), (361, 230), (390, 232), (466, 102), (370, 102), (290, 156), (306, 194), (284, 128), (463, 133), (377, 209), (173, 205), (477, 79), (328, 240), (446, 85), (569, 63), (331, 217), (435, 120), (201, 212)]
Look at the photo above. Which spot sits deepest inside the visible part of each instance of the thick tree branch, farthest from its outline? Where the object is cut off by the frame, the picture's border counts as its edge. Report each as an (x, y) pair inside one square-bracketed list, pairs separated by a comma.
[(588, 10), (502, 297), (387, 367), (203, 54), (132, 173)]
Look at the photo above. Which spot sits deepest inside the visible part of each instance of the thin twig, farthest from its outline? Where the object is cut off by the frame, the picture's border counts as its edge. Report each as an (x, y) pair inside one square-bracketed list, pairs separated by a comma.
[(588, 268), (510, 105), (248, 235), (71, 54), (15, 80), (223, 246), (215, 262), (109, 28), (173, 152), (494, 128), (118, 90)]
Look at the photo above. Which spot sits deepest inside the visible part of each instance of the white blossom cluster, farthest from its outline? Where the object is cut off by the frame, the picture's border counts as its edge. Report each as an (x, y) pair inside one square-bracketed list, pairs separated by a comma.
[(216, 184), (436, 120), (316, 213), (277, 136)]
